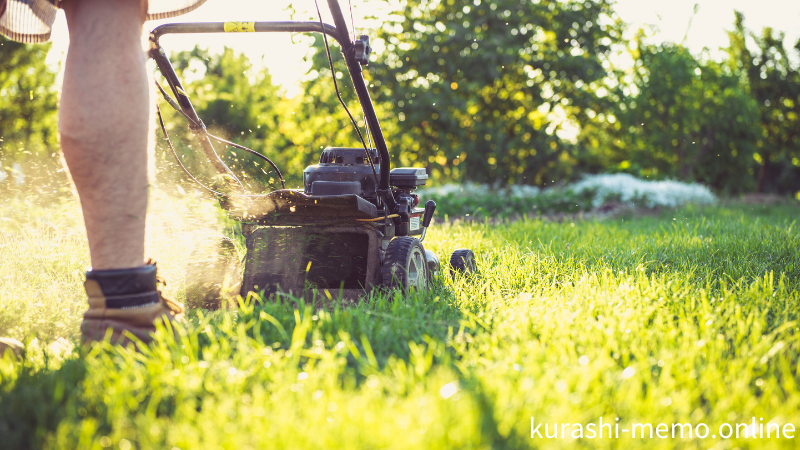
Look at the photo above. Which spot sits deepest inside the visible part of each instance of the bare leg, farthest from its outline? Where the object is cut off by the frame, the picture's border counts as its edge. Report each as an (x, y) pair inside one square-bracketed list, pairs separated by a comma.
[(104, 121)]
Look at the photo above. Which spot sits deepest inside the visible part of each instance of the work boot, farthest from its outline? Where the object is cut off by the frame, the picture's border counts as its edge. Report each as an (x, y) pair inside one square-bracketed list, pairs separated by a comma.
[(126, 300)]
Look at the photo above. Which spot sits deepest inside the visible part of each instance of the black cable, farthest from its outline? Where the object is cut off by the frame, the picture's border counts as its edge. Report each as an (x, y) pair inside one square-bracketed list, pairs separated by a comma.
[(195, 126), (198, 128), (175, 154), (352, 22), (242, 147), (339, 95)]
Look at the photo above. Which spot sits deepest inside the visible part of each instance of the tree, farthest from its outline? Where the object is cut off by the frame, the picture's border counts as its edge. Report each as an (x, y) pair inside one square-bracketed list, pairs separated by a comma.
[(775, 84), (480, 90), (684, 117)]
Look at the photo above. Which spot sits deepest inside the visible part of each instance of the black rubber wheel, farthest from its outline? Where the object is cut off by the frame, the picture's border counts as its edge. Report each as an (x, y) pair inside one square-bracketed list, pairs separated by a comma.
[(463, 260), (213, 272), (405, 265), (433, 264)]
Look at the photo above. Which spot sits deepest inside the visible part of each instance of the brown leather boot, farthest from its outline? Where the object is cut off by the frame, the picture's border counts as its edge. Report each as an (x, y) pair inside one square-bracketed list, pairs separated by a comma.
[(126, 300)]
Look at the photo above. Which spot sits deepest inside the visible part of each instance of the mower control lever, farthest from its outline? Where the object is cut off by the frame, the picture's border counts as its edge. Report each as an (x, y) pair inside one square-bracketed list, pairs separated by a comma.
[(430, 207)]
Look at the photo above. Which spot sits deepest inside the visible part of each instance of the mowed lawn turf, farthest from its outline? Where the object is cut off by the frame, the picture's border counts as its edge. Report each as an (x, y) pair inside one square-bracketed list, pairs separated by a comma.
[(686, 316)]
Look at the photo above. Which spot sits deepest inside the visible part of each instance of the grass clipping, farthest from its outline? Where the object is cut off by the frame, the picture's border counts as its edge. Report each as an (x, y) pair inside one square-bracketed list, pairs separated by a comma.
[(46, 257)]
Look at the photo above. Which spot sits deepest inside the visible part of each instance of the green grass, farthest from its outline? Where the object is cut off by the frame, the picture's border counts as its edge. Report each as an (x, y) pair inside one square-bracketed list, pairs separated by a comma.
[(685, 316)]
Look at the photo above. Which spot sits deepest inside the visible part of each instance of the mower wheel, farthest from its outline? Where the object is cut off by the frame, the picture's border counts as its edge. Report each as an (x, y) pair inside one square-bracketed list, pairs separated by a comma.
[(463, 260), (214, 271), (433, 264), (405, 265)]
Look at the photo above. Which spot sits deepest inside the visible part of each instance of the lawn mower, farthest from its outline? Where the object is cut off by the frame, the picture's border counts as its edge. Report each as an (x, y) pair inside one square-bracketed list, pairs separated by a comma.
[(354, 226)]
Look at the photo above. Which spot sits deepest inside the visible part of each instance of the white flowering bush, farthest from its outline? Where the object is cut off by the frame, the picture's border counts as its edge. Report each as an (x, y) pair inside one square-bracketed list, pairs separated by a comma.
[(523, 191), (635, 192), (591, 192), (461, 190)]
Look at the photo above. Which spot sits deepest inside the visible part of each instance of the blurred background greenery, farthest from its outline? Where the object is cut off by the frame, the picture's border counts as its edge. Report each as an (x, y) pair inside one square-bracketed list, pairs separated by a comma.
[(506, 92)]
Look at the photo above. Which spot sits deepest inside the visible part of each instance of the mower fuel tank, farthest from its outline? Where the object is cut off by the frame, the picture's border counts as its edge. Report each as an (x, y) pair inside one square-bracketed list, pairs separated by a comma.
[(343, 171), (336, 188), (408, 177)]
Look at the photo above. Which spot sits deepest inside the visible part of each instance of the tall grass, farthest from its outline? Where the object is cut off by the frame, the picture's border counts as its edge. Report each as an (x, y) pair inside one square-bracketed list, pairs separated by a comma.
[(689, 315)]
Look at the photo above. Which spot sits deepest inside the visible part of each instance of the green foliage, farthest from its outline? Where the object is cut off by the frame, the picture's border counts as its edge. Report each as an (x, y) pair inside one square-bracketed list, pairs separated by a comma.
[(684, 118), (28, 122), (595, 193), (234, 99), (471, 86), (687, 317), (478, 92), (774, 83), (28, 102)]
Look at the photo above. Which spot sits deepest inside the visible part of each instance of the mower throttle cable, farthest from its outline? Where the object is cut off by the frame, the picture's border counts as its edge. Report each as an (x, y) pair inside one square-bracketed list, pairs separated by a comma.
[(175, 154), (199, 128)]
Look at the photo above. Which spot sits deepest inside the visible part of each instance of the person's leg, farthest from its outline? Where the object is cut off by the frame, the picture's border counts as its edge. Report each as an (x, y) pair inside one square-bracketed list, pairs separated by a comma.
[(104, 123), (104, 120)]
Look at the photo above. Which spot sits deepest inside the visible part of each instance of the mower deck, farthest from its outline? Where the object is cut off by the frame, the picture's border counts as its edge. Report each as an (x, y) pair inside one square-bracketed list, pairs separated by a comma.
[(287, 207), (308, 260)]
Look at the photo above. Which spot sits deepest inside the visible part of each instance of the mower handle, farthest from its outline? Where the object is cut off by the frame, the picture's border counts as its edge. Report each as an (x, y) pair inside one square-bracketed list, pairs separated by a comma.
[(244, 27), (338, 32)]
